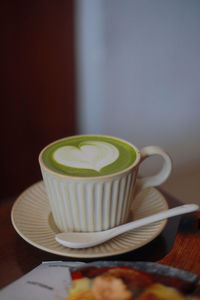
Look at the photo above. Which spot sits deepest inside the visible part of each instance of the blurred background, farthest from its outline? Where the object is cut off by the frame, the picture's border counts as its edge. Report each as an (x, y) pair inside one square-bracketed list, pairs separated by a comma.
[(124, 68)]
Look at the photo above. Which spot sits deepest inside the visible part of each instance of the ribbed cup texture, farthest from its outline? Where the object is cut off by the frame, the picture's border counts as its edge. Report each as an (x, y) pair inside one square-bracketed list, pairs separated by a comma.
[(89, 205)]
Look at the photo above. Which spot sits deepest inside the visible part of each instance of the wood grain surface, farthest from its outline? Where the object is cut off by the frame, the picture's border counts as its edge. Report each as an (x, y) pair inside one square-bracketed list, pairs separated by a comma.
[(176, 246), (186, 249)]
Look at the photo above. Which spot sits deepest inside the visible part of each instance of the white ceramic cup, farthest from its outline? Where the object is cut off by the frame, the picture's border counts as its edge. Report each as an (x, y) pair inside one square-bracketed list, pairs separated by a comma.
[(86, 204)]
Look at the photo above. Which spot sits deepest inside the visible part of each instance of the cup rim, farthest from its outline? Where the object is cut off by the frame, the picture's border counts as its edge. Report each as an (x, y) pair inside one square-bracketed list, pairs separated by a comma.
[(90, 178)]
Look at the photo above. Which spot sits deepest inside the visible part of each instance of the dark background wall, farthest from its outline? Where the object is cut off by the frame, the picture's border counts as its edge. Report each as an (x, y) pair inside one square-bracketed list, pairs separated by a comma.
[(37, 86)]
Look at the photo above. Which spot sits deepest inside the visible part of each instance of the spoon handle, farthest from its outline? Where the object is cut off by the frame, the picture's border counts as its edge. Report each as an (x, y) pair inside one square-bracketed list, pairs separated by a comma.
[(186, 208)]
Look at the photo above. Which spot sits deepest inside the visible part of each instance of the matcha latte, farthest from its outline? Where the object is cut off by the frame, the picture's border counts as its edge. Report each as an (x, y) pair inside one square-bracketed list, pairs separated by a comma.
[(90, 180), (88, 156)]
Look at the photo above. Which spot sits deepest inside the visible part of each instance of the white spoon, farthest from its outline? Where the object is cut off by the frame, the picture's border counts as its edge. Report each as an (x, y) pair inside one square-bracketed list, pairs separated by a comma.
[(89, 239)]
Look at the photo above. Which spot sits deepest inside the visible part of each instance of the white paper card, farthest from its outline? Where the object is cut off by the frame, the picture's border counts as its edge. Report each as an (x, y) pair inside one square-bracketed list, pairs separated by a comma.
[(50, 280)]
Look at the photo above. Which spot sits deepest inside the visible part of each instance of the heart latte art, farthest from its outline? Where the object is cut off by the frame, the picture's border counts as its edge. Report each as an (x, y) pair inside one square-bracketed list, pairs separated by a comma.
[(91, 155), (88, 156)]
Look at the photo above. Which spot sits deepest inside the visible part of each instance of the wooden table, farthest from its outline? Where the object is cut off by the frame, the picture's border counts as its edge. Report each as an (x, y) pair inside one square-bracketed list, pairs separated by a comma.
[(178, 246)]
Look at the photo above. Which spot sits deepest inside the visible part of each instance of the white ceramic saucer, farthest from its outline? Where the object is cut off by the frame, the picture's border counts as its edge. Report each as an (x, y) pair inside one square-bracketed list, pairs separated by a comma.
[(32, 219)]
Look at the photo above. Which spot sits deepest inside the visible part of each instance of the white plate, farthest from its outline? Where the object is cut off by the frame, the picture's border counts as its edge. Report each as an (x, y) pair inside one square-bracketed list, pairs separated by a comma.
[(32, 219)]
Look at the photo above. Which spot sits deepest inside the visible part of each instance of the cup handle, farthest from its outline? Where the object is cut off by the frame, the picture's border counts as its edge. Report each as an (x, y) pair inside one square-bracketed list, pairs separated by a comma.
[(162, 175)]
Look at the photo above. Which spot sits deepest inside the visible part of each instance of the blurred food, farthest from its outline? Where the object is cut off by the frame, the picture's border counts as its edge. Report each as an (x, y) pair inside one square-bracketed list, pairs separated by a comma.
[(125, 283)]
